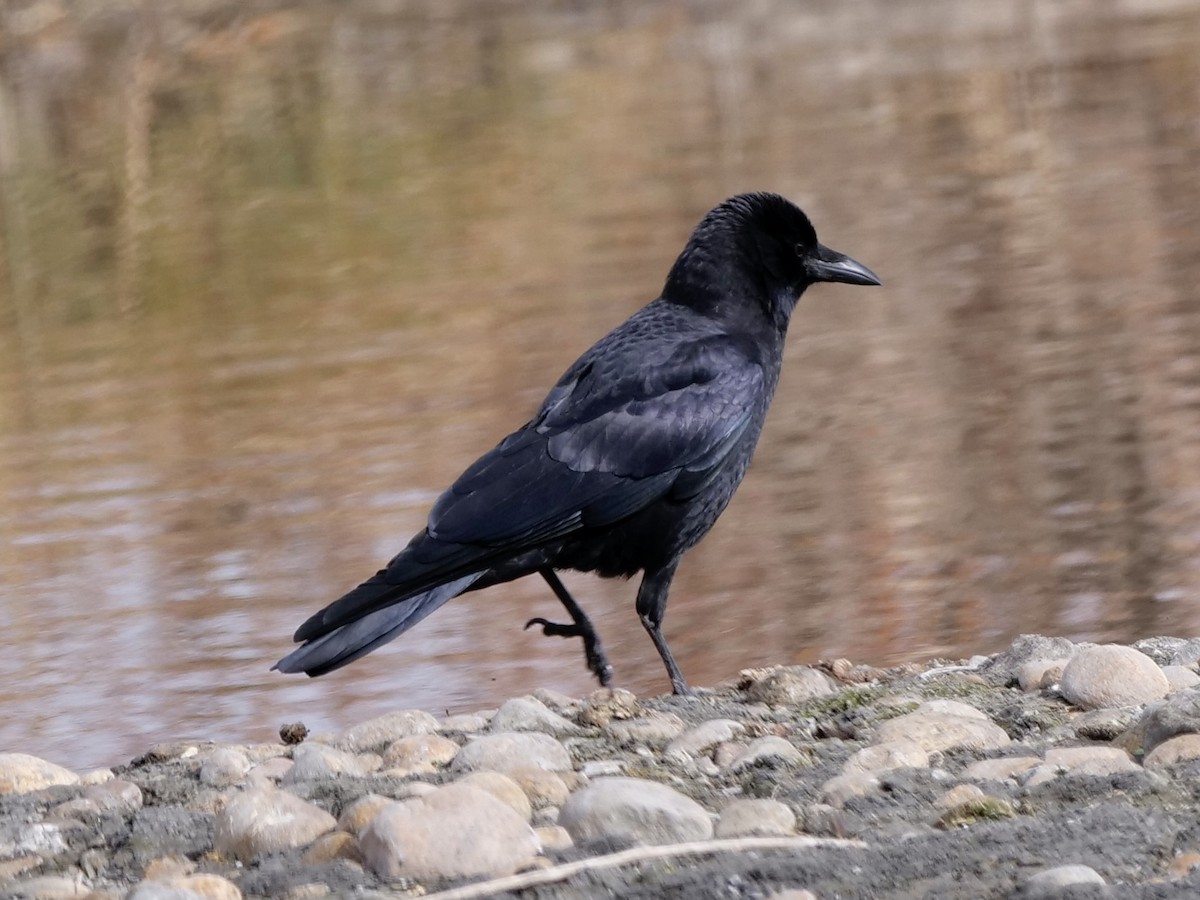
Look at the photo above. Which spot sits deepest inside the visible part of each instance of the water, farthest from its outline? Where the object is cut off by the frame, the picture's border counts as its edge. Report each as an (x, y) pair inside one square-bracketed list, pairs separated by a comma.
[(269, 280)]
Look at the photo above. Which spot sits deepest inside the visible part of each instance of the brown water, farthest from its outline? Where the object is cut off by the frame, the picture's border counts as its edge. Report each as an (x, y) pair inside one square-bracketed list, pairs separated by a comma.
[(269, 280)]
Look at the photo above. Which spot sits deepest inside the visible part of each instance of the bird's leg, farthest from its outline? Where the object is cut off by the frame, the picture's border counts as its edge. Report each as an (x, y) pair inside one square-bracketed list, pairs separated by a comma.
[(652, 607), (580, 627)]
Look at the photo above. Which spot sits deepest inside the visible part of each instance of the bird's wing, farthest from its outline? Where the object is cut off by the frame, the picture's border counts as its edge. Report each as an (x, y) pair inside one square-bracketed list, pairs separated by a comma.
[(621, 429)]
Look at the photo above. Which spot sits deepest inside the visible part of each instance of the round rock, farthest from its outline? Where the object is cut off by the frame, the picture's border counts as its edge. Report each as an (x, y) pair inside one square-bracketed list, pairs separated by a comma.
[(1050, 883), (457, 831), (21, 773), (375, 735), (265, 820), (312, 762), (943, 725), (531, 714), (1112, 675), (746, 818), (516, 750), (634, 809), (771, 749)]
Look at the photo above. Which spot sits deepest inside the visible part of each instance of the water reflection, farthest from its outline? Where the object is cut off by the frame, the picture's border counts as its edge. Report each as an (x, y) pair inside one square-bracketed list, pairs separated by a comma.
[(268, 281)]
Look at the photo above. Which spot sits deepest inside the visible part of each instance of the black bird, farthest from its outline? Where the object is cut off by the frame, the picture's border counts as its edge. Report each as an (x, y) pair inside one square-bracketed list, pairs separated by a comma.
[(630, 459)]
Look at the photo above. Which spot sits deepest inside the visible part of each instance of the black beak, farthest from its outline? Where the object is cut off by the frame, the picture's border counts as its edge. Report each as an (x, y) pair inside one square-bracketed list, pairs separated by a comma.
[(829, 265)]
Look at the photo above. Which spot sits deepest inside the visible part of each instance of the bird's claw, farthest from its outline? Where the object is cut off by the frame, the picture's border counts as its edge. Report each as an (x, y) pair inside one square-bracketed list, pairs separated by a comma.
[(597, 662)]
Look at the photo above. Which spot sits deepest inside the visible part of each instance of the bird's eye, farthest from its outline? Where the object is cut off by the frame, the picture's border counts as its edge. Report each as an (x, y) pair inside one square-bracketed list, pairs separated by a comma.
[(801, 250)]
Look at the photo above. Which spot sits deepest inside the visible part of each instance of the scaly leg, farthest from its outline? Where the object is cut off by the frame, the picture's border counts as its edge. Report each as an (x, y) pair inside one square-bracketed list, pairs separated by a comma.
[(580, 627), (652, 608)]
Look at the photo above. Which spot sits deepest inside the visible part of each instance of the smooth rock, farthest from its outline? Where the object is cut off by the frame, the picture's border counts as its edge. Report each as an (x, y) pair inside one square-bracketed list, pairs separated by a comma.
[(456, 832), (896, 754), (208, 886), (1177, 714), (790, 686), (21, 773), (745, 818), (1026, 648), (503, 788), (97, 776), (653, 728), (516, 750), (942, 725), (792, 894), (531, 714), (634, 809), (1180, 678), (464, 723), (1000, 769), (165, 868), (313, 762), (225, 766), (541, 787), (770, 749), (958, 795), (331, 846), (1181, 748), (1104, 724), (420, 752), (266, 820), (1049, 883), (270, 772), (556, 700), (117, 795), (1035, 674), (159, 890), (49, 887), (554, 837), (375, 735), (695, 741), (1081, 761), (1112, 675), (841, 789), (358, 815)]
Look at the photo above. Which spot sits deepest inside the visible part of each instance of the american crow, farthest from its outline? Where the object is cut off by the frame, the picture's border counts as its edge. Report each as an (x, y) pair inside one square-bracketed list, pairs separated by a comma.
[(630, 459)]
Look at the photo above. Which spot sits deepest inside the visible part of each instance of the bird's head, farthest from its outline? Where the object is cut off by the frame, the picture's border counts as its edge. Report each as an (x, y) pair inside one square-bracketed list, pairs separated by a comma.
[(759, 251)]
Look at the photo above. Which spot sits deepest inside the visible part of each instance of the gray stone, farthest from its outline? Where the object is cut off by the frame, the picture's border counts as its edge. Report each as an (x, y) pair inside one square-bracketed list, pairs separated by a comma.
[(770, 749), (696, 740), (375, 735), (1026, 648), (1051, 883), (1000, 769), (265, 820), (465, 723), (1081, 761), (634, 809), (1180, 678), (314, 762), (554, 837), (49, 887), (942, 725), (1178, 714), (225, 766), (21, 773), (1111, 675), (895, 754), (745, 818), (653, 728), (789, 686), (531, 714), (420, 753), (1179, 749), (513, 751), (1104, 724), (1035, 674), (117, 795), (457, 831), (503, 788), (608, 704), (841, 789)]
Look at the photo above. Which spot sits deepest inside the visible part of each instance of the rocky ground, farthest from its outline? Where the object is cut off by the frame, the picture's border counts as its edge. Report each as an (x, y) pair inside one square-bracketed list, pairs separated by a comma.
[(1050, 770)]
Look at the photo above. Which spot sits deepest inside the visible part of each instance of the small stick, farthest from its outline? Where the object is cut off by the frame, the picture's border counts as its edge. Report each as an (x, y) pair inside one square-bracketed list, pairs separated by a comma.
[(540, 877)]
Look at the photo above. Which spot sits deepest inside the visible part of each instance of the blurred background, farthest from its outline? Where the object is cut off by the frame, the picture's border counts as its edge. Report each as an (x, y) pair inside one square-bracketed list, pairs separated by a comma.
[(273, 273)]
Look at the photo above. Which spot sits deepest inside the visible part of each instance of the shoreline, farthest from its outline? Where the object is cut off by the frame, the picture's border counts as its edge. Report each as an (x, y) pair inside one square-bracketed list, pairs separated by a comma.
[(1050, 769)]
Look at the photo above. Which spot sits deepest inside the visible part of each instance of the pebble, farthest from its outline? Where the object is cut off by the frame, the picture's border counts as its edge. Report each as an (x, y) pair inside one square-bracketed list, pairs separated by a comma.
[(420, 753), (266, 820), (556, 700), (516, 750), (1178, 714), (958, 795), (117, 795), (554, 838), (541, 787), (458, 831), (897, 754), (464, 723), (1082, 761), (313, 762), (788, 686), (695, 741), (1027, 648), (1109, 675), (1049, 883), (841, 789), (531, 714), (376, 735), (746, 818), (1181, 748), (652, 728), (770, 749), (634, 809), (331, 846), (503, 788), (1035, 674), (1104, 724), (225, 766), (269, 773), (941, 725), (1180, 678), (358, 815), (21, 773), (1000, 769)]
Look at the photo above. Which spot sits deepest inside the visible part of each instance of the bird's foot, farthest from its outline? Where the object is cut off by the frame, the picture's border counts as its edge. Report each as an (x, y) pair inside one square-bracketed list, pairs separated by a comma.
[(593, 650)]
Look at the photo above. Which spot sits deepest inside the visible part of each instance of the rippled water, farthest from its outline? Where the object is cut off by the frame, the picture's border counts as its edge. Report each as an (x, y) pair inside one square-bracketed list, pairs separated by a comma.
[(269, 280)]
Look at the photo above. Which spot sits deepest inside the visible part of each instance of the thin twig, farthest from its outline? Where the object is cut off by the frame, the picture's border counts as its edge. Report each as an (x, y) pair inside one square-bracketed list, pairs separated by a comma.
[(540, 877)]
